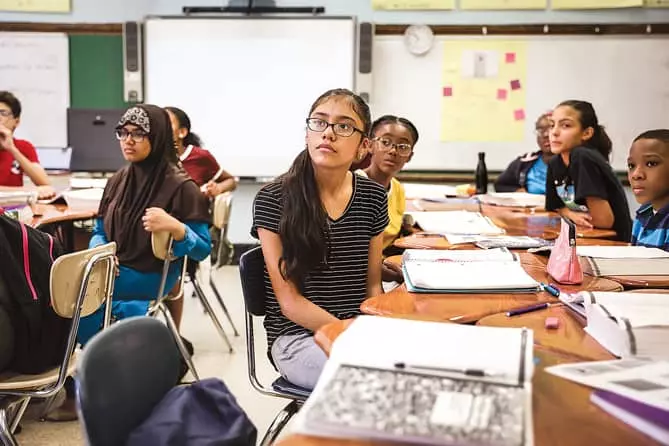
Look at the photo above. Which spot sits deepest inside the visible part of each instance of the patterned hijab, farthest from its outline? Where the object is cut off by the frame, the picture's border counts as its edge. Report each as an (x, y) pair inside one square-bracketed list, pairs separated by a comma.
[(156, 181)]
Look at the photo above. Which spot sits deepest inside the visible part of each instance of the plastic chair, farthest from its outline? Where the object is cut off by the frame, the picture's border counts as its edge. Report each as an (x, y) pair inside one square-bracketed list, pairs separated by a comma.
[(124, 373), (221, 220), (161, 244), (251, 271), (79, 283)]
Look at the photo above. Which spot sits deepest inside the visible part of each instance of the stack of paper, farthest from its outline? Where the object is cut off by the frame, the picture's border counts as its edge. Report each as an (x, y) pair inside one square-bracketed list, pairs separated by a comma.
[(458, 223), (626, 324), (428, 191), (490, 271), (514, 199), (624, 261), (384, 381)]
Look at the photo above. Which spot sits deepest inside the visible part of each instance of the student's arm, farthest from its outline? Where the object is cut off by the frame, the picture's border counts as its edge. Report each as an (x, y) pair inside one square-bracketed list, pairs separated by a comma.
[(508, 180), (600, 212), (221, 184), (589, 187), (29, 164), (293, 305), (196, 243), (374, 266), (99, 237)]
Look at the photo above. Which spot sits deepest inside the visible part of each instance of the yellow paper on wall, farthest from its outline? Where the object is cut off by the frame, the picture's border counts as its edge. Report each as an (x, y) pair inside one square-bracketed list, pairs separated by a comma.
[(412, 4), (595, 4), (503, 4), (656, 3), (36, 5), (483, 91)]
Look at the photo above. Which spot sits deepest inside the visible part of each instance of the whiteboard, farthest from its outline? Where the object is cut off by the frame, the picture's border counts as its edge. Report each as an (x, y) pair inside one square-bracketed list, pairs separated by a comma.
[(248, 83), (625, 78), (36, 68)]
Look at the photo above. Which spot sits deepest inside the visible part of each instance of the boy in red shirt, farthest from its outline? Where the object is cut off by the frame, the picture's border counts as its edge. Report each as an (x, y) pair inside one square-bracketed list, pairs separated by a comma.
[(16, 155)]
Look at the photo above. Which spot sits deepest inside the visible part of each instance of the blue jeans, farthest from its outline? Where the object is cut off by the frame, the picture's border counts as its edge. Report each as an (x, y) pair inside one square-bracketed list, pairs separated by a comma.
[(299, 359)]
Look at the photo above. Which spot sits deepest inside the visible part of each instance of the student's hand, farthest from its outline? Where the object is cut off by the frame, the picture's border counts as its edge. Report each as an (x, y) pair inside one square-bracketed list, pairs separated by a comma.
[(6, 138), (211, 189), (392, 272), (579, 218), (45, 192), (157, 220)]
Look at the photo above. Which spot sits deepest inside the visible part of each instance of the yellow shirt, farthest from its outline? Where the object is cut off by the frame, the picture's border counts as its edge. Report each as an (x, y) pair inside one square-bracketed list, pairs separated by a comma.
[(396, 208)]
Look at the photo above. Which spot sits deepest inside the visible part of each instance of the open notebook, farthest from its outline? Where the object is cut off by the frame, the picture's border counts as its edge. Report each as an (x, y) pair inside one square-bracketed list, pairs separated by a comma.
[(623, 260), (513, 199), (626, 324), (403, 380), (468, 271), (456, 222)]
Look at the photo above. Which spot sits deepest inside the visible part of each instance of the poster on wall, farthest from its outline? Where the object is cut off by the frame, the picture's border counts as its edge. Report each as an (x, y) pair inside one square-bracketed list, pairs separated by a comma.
[(412, 4), (595, 4), (36, 5), (483, 91), (503, 4)]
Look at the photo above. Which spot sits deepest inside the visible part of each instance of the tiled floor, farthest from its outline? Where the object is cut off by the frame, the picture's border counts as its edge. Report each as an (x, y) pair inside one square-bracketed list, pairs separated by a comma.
[(211, 358)]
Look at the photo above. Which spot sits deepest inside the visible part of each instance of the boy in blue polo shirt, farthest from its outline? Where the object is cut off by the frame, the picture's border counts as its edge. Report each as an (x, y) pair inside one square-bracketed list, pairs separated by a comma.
[(648, 173)]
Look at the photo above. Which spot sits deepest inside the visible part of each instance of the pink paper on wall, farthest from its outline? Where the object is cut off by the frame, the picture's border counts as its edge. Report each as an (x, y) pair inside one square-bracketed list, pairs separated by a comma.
[(448, 91), (501, 94), (510, 57), (515, 84), (519, 115)]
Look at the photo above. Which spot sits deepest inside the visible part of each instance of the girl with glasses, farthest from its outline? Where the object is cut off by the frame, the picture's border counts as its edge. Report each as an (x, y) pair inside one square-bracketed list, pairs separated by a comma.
[(393, 140), (321, 231), (527, 173)]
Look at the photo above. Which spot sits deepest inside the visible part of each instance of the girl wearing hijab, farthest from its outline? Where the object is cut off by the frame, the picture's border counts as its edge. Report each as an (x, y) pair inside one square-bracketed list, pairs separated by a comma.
[(150, 194)]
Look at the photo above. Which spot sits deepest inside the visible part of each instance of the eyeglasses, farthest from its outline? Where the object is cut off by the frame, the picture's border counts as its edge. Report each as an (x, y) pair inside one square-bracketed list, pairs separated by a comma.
[(339, 128), (6, 113), (541, 131), (386, 145), (136, 135)]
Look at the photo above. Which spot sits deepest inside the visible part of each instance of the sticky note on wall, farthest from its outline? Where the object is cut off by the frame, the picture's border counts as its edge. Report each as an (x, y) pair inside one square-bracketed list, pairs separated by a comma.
[(510, 57), (519, 115), (501, 94), (515, 84), (447, 92)]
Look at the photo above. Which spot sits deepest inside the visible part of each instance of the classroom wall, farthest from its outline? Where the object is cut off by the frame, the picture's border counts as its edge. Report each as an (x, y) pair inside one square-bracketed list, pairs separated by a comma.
[(114, 11)]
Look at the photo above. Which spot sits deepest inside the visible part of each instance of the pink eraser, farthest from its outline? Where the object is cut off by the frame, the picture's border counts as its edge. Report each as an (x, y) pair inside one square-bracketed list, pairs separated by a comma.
[(552, 322)]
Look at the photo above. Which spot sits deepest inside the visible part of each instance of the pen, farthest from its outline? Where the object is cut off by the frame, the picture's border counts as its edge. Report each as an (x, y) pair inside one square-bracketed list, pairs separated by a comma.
[(467, 372), (550, 289), (531, 308)]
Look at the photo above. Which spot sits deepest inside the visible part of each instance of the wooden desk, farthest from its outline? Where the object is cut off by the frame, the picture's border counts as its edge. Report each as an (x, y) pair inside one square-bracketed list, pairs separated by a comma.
[(630, 282), (419, 241), (563, 414), (569, 338), (468, 308), (50, 214)]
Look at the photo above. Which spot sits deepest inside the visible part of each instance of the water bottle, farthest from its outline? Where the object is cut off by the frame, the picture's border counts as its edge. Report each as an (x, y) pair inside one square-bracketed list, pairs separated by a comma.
[(481, 177)]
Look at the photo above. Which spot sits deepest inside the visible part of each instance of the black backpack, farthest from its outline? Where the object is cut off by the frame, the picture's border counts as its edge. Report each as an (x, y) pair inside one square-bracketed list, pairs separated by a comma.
[(40, 335)]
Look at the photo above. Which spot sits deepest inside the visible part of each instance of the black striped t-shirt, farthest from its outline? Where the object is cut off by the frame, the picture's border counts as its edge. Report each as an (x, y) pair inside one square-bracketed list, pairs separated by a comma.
[(340, 286)]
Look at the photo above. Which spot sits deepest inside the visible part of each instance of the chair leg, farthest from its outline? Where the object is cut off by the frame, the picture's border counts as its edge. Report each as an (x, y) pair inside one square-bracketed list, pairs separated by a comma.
[(222, 304), (279, 423), (6, 436), (212, 315), (18, 414), (177, 338)]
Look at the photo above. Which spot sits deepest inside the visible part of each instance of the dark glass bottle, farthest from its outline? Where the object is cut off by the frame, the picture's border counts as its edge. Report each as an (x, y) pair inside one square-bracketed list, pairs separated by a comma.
[(481, 177)]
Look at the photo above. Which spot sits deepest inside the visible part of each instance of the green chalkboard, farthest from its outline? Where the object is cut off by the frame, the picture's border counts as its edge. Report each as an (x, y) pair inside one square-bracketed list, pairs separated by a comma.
[(96, 71)]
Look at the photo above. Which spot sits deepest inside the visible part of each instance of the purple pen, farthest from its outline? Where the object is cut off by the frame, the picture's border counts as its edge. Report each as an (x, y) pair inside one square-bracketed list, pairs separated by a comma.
[(529, 309)]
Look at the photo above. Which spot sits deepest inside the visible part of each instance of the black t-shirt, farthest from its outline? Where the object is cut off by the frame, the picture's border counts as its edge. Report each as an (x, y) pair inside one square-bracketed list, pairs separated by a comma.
[(588, 175), (340, 286)]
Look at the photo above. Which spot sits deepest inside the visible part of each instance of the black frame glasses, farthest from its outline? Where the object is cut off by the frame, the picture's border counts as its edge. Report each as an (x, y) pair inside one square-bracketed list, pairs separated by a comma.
[(136, 135), (387, 145), (343, 129)]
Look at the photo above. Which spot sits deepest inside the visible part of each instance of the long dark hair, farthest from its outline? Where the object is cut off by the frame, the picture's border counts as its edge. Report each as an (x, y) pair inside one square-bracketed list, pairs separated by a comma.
[(303, 227), (392, 119), (184, 123), (600, 141)]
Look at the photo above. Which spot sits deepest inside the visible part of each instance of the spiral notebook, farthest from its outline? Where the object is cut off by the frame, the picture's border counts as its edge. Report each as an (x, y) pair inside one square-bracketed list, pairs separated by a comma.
[(434, 398)]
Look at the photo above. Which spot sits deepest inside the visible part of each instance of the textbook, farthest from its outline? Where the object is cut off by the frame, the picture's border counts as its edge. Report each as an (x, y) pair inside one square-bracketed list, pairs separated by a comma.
[(601, 261), (412, 382), (467, 271), (626, 324)]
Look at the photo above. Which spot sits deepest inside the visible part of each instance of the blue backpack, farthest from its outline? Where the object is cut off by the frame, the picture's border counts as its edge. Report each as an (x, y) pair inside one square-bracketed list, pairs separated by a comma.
[(204, 413)]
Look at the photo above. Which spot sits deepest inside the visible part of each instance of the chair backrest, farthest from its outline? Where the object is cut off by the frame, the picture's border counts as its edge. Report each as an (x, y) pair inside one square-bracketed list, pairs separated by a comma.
[(67, 276), (161, 245), (222, 207), (252, 273), (124, 372)]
